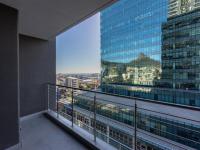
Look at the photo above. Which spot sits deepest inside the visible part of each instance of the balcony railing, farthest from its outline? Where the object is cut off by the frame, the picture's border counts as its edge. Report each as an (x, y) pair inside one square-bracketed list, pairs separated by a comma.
[(127, 122)]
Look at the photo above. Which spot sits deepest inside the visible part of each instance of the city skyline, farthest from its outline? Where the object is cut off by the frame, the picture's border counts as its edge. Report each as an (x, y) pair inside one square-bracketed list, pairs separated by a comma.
[(87, 52), (150, 54)]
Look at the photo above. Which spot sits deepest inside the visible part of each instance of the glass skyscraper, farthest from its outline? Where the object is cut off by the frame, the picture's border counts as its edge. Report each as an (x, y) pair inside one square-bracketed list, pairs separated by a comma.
[(150, 49)]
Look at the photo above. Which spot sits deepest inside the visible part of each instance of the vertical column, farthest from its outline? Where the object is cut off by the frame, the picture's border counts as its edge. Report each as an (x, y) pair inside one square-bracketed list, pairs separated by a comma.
[(9, 77)]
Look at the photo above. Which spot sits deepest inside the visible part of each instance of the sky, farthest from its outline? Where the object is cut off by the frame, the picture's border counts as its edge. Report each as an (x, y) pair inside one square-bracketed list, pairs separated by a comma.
[(78, 49)]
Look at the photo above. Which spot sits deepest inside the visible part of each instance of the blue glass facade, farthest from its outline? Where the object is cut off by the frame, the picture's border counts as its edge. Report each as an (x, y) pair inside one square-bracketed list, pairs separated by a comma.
[(131, 41), (136, 54), (131, 28)]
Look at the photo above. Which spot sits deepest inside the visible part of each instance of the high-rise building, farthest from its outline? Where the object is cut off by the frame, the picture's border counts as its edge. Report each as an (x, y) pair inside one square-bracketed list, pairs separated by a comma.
[(133, 49), (150, 49), (180, 52), (177, 7), (131, 42)]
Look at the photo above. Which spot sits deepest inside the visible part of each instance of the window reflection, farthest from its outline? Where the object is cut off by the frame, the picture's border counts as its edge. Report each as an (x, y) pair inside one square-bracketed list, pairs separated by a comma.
[(154, 46)]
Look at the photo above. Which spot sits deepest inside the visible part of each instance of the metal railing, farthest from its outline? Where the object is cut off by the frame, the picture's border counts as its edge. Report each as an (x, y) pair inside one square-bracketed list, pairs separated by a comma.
[(125, 122)]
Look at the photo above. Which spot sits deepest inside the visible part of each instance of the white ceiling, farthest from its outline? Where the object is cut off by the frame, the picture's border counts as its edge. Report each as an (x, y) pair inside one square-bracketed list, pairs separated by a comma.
[(45, 19)]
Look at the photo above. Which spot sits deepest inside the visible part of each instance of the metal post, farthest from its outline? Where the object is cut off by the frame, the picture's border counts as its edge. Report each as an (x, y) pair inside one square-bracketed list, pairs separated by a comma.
[(48, 98), (107, 133), (21, 142), (72, 108), (120, 146), (57, 104), (95, 118), (135, 126)]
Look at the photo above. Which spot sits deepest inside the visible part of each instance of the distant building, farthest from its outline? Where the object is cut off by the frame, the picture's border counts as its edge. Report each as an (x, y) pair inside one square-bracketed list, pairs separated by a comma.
[(177, 7), (60, 79), (72, 82)]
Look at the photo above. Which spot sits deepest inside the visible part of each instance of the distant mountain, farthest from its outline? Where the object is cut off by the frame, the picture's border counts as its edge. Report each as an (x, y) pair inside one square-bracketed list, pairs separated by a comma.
[(141, 61), (144, 61)]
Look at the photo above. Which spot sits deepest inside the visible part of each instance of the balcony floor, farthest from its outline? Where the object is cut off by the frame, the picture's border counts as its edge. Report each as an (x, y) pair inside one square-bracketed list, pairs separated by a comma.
[(41, 134)]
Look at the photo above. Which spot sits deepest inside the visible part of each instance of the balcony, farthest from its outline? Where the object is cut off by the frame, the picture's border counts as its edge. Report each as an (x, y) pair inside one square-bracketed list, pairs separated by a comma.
[(109, 122), (39, 116), (38, 133)]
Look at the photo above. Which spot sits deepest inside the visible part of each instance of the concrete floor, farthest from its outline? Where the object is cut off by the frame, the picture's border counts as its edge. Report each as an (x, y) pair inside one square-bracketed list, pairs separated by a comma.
[(41, 134)]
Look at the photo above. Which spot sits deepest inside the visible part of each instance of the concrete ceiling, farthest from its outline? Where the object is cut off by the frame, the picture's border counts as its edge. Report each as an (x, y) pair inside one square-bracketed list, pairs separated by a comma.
[(45, 19)]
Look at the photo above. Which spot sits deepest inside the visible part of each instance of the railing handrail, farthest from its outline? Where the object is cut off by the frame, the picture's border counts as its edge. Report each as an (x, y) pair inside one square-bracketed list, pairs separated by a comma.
[(133, 100), (194, 108)]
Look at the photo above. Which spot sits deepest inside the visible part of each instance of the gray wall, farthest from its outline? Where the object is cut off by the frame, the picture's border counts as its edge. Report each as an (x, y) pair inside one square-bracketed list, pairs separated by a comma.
[(9, 131), (37, 67)]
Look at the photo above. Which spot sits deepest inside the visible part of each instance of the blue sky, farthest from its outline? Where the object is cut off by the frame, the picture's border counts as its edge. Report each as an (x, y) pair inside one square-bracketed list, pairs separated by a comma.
[(78, 49)]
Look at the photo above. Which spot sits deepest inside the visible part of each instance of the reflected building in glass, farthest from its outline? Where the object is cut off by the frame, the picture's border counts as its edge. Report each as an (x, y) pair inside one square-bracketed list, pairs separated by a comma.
[(149, 49), (178, 7)]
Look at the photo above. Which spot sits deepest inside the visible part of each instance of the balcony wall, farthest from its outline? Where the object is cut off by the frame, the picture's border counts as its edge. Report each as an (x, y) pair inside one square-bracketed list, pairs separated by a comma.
[(26, 65), (9, 133), (37, 67)]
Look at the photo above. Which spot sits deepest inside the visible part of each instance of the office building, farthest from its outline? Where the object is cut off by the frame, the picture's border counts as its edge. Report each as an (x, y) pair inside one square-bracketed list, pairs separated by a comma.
[(133, 53), (181, 57), (150, 52), (131, 44)]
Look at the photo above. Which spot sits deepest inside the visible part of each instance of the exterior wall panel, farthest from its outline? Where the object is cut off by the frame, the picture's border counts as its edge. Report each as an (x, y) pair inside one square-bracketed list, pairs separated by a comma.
[(37, 67)]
